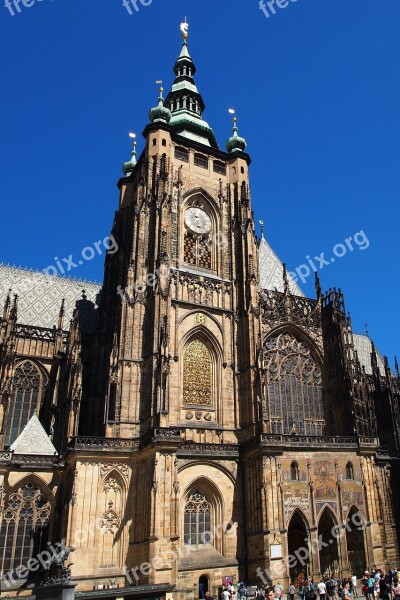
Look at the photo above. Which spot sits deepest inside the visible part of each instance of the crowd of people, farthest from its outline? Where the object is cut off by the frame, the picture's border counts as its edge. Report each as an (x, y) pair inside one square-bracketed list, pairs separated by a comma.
[(373, 585)]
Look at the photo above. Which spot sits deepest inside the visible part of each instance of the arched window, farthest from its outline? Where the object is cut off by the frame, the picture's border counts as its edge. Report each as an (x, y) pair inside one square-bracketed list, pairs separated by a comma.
[(197, 374), (24, 528), (28, 389), (349, 471), (294, 384), (197, 520), (294, 471)]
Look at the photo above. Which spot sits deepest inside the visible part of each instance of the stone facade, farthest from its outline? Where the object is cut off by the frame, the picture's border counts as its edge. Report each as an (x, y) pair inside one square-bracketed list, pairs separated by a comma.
[(196, 401)]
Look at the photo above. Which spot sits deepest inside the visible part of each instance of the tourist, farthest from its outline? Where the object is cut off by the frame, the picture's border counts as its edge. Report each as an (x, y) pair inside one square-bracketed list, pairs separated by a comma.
[(292, 591), (396, 588), (225, 594), (310, 593), (354, 583), (302, 589), (330, 588), (345, 594), (269, 593), (321, 587), (384, 589), (278, 591)]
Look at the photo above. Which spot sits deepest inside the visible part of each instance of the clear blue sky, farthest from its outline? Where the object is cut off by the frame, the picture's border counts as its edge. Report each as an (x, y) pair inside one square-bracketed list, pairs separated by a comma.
[(316, 87)]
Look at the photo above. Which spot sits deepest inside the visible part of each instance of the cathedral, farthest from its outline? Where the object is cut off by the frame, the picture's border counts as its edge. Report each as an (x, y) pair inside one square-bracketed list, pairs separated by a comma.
[(194, 419)]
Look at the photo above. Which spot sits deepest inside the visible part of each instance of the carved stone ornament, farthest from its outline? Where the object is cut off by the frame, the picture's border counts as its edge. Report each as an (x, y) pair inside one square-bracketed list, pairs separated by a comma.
[(111, 484), (121, 468), (189, 415), (110, 521)]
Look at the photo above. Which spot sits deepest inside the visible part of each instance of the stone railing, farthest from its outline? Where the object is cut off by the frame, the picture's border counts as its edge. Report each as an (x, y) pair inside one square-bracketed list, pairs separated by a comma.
[(277, 307), (275, 439), (101, 443), (212, 450), (9, 458), (201, 290)]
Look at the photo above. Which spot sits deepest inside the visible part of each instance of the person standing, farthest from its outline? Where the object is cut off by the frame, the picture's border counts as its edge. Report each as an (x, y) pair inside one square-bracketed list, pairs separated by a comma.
[(302, 589), (292, 591), (278, 590), (322, 590), (345, 594), (330, 588), (396, 588), (354, 582), (225, 594), (269, 593)]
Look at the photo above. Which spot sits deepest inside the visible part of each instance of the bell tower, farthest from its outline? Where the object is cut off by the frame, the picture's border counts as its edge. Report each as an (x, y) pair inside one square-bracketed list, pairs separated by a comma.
[(180, 296)]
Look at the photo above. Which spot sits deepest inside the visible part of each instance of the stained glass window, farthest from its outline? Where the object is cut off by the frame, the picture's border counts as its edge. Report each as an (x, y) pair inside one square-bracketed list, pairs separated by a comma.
[(197, 524), (24, 528), (294, 385), (197, 374), (28, 389)]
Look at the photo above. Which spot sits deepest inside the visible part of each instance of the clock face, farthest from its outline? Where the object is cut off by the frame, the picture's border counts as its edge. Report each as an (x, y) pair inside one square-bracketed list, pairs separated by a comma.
[(197, 220)]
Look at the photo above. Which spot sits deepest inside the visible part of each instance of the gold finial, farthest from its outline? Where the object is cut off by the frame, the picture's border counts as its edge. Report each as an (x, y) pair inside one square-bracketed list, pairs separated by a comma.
[(185, 30), (133, 137), (160, 83)]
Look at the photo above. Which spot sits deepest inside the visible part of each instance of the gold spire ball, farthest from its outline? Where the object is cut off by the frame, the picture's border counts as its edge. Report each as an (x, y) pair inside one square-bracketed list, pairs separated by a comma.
[(185, 30)]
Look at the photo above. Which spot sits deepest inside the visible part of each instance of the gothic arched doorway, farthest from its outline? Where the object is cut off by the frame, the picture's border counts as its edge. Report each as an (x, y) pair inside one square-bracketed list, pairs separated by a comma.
[(355, 542), (328, 546), (203, 586), (298, 548)]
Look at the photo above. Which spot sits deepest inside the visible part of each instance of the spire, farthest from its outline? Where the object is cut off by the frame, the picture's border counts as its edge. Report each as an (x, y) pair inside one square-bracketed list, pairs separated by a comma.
[(7, 305), (184, 100), (160, 112), (318, 289), (262, 229), (286, 288), (14, 309), (61, 315), (236, 143), (128, 167)]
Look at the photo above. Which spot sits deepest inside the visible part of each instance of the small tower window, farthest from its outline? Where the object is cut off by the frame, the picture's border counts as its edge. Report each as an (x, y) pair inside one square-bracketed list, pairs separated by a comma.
[(201, 161), (294, 471), (164, 142), (182, 154), (219, 167), (349, 471)]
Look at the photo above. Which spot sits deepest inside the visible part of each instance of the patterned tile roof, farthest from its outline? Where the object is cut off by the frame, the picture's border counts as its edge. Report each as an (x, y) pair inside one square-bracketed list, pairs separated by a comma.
[(33, 440), (271, 271), (363, 345), (40, 295)]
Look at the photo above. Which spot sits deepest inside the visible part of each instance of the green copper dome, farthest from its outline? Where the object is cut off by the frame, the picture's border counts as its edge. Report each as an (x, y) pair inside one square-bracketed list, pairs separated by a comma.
[(160, 112), (236, 143), (127, 167)]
